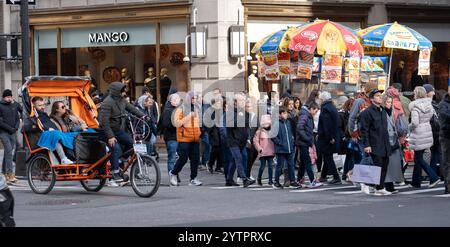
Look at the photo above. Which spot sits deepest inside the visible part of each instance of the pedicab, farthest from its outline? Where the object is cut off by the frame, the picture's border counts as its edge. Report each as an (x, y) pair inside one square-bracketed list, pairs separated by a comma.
[(91, 166)]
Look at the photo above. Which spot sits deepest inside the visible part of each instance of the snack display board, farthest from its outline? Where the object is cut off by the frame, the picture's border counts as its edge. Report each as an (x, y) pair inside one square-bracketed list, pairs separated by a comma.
[(374, 64), (305, 65), (424, 62), (331, 69), (270, 60), (284, 62)]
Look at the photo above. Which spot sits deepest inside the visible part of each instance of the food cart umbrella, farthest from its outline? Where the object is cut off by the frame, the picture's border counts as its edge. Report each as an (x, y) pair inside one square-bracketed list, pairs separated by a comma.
[(277, 41), (328, 38), (394, 35)]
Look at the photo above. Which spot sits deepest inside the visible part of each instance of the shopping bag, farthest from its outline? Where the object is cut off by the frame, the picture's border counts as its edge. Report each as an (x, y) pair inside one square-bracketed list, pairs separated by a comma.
[(366, 172), (408, 155)]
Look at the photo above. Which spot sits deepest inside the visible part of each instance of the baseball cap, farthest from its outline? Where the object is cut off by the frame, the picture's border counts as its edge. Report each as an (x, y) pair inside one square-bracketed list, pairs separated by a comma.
[(373, 92)]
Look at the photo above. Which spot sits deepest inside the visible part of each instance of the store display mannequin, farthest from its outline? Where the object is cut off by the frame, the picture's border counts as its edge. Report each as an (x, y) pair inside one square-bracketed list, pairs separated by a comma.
[(253, 84), (127, 80), (150, 81), (94, 86), (165, 86)]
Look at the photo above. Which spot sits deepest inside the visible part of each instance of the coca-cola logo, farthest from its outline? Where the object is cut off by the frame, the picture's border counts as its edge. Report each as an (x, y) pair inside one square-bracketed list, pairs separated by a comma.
[(306, 48), (311, 35), (349, 39)]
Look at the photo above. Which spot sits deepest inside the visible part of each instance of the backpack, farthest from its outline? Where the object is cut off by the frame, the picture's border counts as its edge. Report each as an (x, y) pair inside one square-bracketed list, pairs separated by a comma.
[(401, 124)]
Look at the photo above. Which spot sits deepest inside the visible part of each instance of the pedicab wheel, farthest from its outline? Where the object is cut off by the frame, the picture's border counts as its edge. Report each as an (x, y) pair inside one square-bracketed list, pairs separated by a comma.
[(93, 185), (40, 174), (145, 179)]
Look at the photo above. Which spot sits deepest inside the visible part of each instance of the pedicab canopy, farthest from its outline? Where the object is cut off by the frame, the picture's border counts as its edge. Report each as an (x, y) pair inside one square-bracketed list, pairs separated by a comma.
[(74, 87)]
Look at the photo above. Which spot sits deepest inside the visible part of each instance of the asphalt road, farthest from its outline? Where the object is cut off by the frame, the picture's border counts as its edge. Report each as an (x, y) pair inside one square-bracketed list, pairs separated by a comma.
[(213, 204)]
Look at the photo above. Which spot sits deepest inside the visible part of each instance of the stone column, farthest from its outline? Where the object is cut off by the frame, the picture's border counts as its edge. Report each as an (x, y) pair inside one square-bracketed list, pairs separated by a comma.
[(217, 70)]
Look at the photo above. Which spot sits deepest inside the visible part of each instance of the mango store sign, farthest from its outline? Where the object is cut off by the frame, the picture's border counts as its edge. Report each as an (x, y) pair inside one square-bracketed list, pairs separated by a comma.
[(113, 37)]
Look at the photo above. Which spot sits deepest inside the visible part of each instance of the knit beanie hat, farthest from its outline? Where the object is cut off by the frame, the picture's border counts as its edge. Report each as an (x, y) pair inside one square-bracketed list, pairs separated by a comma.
[(7, 92)]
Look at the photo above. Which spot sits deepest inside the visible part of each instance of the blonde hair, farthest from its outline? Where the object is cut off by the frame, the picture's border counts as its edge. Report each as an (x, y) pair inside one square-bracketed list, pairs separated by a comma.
[(420, 92)]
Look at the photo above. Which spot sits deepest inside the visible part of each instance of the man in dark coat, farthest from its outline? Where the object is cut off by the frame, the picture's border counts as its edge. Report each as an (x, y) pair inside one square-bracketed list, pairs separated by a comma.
[(329, 134), (375, 137), (444, 139), (112, 124), (9, 124)]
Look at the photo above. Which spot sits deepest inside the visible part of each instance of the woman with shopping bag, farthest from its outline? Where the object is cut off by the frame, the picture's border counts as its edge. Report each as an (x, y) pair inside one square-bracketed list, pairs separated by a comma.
[(394, 171)]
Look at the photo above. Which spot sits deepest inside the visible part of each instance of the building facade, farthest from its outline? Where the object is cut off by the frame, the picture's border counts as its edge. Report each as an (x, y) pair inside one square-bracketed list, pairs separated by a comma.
[(106, 36)]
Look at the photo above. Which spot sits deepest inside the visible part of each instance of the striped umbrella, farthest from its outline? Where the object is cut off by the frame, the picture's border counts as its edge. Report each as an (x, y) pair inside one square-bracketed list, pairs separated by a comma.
[(394, 35), (277, 41), (328, 38)]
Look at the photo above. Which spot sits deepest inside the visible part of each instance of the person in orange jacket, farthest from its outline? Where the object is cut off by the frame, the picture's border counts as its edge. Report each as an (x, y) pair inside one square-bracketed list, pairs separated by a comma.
[(187, 121)]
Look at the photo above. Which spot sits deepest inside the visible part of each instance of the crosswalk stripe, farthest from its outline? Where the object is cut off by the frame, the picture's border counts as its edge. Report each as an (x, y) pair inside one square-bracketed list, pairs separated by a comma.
[(262, 189), (419, 191), (445, 195), (359, 191), (225, 187), (323, 189)]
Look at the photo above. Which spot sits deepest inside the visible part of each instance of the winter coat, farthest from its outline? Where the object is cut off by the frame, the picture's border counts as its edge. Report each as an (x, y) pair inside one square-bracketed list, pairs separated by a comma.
[(328, 129), (358, 107), (237, 135), (212, 126), (9, 116), (421, 135), (305, 128), (396, 103), (168, 129), (374, 131), (114, 108), (405, 104), (187, 121), (151, 123), (46, 121), (284, 141), (293, 119), (444, 117), (263, 144), (70, 123)]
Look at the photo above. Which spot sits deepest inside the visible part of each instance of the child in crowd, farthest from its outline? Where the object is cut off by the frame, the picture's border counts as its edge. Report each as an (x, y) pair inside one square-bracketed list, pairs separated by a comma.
[(265, 147)]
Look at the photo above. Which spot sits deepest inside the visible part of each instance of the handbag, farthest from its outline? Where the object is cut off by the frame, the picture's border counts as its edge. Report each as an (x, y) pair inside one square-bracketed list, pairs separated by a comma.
[(408, 155), (366, 172)]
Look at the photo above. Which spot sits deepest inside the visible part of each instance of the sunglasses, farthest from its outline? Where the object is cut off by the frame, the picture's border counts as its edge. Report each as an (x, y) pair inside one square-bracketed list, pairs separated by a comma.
[(63, 107)]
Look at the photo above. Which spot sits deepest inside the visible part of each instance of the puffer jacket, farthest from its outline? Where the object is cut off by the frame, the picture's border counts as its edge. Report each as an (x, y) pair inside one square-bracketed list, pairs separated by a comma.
[(284, 141), (263, 144), (305, 127), (113, 110), (444, 117), (187, 122), (421, 135)]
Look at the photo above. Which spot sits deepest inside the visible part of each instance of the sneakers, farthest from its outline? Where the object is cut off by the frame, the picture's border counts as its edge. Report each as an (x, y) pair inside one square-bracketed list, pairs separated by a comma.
[(248, 182), (210, 170), (112, 183), (314, 185), (335, 181), (270, 183), (195, 182), (401, 184), (202, 168), (277, 185), (239, 180), (173, 179), (66, 161), (116, 177), (382, 192), (365, 189), (294, 185), (432, 185)]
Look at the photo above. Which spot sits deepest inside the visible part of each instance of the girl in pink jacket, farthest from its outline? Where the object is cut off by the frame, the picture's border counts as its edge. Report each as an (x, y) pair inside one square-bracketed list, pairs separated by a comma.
[(265, 147)]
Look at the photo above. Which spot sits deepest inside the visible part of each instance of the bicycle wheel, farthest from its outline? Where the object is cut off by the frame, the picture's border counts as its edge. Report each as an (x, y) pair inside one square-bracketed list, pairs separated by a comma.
[(40, 174), (93, 185), (145, 178)]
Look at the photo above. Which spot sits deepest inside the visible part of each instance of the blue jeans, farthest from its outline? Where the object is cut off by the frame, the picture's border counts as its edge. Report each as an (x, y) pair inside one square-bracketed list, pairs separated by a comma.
[(171, 147), (263, 161), (436, 158), (123, 138), (306, 164), (187, 150), (353, 157), (419, 164), (227, 159), (236, 162), (9, 143), (151, 144), (206, 149), (281, 160), (244, 161)]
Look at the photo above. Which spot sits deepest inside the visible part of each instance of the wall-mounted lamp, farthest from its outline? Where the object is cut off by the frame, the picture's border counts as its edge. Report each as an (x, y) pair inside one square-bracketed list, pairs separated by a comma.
[(237, 41), (198, 41)]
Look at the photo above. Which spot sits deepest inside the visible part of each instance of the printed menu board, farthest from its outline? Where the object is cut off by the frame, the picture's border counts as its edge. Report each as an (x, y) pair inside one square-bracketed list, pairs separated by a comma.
[(284, 62), (270, 60), (305, 65), (424, 62), (331, 69), (373, 64)]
